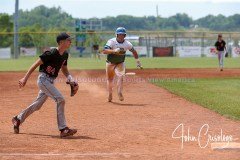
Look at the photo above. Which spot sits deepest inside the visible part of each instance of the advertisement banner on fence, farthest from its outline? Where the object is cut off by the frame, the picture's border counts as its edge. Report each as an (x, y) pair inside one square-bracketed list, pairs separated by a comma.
[(142, 51), (5, 53), (163, 51), (235, 51), (28, 51), (210, 51), (186, 51)]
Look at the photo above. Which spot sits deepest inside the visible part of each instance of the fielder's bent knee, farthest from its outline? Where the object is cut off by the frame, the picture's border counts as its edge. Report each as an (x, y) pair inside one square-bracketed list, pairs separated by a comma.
[(60, 100)]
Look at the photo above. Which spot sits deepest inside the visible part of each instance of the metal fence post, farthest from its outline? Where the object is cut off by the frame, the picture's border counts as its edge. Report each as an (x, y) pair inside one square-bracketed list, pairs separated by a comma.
[(175, 44), (229, 48), (148, 45), (202, 44), (16, 50)]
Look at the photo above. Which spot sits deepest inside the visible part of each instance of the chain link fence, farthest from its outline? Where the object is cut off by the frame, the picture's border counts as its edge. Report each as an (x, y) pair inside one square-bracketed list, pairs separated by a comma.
[(181, 43)]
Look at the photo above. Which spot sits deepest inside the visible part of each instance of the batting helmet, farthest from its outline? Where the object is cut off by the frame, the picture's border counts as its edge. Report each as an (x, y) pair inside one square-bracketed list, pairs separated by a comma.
[(121, 30)]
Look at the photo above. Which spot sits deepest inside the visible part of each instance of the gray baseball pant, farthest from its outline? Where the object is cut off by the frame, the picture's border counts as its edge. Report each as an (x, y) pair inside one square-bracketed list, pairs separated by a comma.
[(47, 89), (220, 58)]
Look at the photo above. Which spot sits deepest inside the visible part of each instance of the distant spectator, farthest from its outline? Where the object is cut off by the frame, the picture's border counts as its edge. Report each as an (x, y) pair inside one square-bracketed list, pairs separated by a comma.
[(95, 50), (220, 47)]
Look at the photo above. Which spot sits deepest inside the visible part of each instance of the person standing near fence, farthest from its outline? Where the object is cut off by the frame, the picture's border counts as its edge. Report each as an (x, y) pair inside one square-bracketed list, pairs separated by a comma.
[(220, 47)]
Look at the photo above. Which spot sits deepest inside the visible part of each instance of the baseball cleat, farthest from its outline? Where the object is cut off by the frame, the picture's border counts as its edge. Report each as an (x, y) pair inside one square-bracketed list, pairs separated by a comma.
[(221, 69), (16, 124), (110, 97), (120, 96), (67, 132)]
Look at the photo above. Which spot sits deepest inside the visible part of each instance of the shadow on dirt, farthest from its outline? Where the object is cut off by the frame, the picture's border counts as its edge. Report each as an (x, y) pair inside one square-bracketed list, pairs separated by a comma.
[(58, 137)]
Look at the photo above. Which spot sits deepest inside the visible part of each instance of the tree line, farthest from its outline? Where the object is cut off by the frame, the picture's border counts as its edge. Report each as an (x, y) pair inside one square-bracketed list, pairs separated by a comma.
[(44, 19), (55, 17)]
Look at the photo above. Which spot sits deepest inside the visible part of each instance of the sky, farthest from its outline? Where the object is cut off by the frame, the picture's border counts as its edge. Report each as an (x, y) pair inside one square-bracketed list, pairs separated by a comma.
[(103, 8)]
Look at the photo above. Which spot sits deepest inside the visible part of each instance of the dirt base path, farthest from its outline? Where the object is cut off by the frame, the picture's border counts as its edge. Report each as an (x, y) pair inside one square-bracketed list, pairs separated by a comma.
[(140, 127)]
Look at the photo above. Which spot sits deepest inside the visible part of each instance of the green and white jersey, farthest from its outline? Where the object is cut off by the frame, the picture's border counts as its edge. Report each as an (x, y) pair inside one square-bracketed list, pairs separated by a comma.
[(113, 44)]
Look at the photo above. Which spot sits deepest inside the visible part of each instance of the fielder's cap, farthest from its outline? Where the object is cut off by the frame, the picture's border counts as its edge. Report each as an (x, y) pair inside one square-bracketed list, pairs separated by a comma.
[(63, 36), (219, 35)]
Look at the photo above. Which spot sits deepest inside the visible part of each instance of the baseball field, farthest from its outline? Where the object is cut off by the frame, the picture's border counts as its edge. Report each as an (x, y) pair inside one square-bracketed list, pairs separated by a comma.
[(175, 108)]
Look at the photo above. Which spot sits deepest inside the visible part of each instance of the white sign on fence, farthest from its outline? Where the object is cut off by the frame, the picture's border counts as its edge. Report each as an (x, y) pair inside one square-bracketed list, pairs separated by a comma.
[(210, 51), (5, 53), (186, 51), (235, 51), (142, 51), (28, 51)]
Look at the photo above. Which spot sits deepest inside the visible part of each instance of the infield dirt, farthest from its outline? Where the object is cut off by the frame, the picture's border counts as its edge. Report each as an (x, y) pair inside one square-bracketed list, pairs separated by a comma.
[(140, 127)]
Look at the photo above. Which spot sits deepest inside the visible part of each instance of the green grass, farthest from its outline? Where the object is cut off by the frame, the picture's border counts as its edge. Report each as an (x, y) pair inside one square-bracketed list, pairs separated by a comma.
[(23, 63), (221, 95)]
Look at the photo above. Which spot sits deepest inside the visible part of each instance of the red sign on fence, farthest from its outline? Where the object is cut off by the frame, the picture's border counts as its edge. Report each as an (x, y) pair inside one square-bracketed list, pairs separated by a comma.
[(162, 51)]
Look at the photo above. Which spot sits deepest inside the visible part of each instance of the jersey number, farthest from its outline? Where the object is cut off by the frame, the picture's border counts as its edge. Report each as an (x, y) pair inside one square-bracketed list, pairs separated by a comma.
[(50, 70)]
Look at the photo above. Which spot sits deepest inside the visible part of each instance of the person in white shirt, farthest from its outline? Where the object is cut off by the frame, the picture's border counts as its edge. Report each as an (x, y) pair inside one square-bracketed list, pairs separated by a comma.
[(115, 49)]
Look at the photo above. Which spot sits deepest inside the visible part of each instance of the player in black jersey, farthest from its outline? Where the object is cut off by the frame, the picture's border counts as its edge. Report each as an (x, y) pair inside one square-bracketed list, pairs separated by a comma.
[(220, 47), (50, 63)]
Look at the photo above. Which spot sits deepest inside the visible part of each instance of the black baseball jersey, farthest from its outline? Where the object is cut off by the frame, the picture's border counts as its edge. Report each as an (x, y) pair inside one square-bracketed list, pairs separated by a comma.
[(220, 45), (52, 62)]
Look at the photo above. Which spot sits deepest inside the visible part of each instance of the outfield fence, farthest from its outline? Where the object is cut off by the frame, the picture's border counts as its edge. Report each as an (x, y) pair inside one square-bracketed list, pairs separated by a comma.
[(147, 43)]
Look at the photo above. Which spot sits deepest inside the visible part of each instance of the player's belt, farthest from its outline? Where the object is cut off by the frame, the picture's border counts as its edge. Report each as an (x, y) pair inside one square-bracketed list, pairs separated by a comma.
[(113, 63), (46, 75)]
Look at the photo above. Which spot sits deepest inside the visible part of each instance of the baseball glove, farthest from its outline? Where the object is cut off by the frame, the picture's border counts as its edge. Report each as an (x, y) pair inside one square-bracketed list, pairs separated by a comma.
[(226, 55), (74, 88)]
